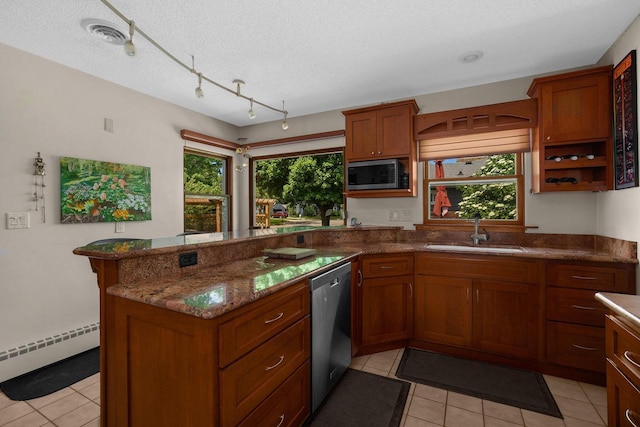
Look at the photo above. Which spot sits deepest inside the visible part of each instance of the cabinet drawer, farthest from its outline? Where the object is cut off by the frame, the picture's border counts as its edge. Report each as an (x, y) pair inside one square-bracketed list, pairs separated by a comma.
[(388, 265), (574, 306), (288, 406), (623, 399), (598, 278), (623, 348), (576, 345), (247, 382), (251, 326)]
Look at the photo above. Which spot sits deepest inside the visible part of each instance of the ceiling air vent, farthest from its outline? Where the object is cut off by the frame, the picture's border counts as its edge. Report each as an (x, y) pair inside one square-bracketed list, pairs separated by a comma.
[(106, 30)]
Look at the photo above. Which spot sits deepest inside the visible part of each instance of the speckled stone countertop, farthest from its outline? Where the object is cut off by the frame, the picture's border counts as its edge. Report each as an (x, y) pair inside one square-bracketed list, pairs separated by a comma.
[(626, 306)]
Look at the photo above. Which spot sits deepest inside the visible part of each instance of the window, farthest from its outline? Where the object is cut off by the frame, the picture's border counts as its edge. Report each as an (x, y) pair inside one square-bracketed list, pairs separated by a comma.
[(303, 190), (490, 185), (206, 193)]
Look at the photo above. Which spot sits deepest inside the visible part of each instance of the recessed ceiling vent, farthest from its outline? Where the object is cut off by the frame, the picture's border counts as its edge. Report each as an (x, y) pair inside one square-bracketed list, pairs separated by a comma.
[(106, 30)]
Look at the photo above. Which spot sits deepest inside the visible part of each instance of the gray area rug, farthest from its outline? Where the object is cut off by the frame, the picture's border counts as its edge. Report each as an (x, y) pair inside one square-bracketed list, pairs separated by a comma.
[(363, 399), (515, 387)]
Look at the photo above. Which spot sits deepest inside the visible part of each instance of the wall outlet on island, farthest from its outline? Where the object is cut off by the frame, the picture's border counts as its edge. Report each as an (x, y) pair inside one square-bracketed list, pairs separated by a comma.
[(188, 258)]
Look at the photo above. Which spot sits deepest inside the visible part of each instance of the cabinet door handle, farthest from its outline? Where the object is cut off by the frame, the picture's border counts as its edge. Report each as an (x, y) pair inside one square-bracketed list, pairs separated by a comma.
[(628, 414), (548, 138), (584, 278), (582, 307), (585, 348), (477, 296), (373, 152), (281, 420), (278, 317), (631, 358), (359, 278), (335, 283), (410, 290), (468, 294), (268, 368)]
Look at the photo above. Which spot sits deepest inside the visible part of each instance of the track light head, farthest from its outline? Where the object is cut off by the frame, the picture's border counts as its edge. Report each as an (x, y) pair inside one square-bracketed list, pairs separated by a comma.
[(285, 125), (252, 115), (199, 92), (129, 47)]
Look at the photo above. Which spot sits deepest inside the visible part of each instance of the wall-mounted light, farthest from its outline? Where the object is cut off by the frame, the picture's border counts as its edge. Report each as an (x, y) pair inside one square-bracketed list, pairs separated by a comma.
[(244, 150), (130, 49)]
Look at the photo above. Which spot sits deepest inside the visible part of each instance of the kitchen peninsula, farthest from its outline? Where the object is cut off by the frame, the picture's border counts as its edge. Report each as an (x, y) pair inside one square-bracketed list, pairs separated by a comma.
[(184, 345)]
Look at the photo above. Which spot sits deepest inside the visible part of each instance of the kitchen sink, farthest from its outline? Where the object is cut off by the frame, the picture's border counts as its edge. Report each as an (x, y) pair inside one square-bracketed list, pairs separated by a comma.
[(484, 249)]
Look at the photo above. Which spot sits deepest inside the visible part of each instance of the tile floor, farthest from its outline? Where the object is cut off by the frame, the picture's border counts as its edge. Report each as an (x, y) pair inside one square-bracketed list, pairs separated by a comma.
[(582, 405)]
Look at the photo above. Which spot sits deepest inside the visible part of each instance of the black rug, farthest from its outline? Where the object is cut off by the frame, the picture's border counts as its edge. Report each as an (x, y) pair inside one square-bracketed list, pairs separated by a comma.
[(514, 387), (363, 399), (54, 377)]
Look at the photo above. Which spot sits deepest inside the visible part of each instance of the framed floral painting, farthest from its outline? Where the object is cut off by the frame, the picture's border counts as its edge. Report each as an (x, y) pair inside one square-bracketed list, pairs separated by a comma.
[(96, 191)]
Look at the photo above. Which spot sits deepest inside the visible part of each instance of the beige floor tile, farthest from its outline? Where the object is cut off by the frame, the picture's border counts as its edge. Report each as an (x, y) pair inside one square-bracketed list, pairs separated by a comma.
[(32, 419), (391, 354), (602, 411), (458, 417), (463, 401), (417, 422), (502, 412), (93, 423), (574, 422), (79, 416), (596, 394), (359, 361), (534, 419), (375, 371), (380, 363), (577, 409), (431, 393), (13, 412), (91, 391), (50, 398), (63, 406), (566, 388), (428, 410), (5, 401), (496, 422)]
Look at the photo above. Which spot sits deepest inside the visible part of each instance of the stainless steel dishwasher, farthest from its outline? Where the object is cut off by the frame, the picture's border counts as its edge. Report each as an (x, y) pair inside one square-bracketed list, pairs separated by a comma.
[(330, 330)]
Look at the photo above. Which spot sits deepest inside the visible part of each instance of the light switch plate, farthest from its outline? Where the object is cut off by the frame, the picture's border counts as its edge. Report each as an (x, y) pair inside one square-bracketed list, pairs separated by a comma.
[(119, 227), (18, 220), (406, 215)]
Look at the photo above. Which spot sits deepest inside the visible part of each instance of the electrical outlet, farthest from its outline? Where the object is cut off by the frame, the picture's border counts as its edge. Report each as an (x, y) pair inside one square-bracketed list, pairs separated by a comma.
[(119, 227), (18, 220), (188, 258), (392, 215), (300, 239), (406, 215)]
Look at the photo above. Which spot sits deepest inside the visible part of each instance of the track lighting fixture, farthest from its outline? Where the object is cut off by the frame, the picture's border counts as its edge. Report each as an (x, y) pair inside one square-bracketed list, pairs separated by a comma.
[(285, 125), (252, 115), (130, 49), (199, 92)]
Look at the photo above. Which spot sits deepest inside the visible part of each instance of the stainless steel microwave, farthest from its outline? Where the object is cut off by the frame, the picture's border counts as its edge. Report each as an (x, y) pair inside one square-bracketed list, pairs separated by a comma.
[(374, 174)]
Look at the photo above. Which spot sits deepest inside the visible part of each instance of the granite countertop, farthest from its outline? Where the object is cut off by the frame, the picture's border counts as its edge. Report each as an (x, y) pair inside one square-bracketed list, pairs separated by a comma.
[(626, 306), (211, 292)]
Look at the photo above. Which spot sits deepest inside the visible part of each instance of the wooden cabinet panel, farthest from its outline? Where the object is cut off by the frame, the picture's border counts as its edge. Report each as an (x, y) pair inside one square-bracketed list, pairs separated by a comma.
[(387, 309), (623, 399), (623, 348), (589, 276), (577, 346), (356, 305), (288, 406), (395, 131), (361, 135), (443, 310), (574, 306), (505, 318), (387, 265), (247, 382), (246, 328)]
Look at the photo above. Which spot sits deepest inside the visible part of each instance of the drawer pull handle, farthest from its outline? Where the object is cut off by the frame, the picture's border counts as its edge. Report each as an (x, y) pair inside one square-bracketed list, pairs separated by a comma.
[(584, 278), (278, 317), (582, 307), (281, 420), (385, 267), (268, 368), (630, 357), (585, 348), (628, 414)]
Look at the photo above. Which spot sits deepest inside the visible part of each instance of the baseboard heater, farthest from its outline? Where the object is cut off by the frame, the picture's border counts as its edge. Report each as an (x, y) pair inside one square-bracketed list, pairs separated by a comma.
[(46, 342)]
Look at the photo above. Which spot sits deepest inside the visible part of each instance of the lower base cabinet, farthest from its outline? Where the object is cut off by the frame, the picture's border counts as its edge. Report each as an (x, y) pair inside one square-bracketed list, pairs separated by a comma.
[(387, 310)]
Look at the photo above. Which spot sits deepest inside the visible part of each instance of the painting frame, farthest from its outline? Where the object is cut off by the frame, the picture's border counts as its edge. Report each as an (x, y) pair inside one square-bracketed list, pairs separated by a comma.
[(94, 191), (625, 121)]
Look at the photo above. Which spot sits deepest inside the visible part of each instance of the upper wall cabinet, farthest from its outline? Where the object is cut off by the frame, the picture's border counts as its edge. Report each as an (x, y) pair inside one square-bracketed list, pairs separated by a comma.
[(383, 132), (572, 146)]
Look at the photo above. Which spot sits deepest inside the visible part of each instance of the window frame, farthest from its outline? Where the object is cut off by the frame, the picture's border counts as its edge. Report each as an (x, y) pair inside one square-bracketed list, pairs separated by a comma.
[(464, 224)]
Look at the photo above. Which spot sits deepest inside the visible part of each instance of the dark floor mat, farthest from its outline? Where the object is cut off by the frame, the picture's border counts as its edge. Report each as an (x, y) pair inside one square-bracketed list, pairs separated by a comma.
[(515, 387), (363, 399), (53, 377)]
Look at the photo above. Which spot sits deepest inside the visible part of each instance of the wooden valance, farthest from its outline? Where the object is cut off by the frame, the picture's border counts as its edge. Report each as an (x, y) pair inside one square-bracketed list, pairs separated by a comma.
[(475, 120)]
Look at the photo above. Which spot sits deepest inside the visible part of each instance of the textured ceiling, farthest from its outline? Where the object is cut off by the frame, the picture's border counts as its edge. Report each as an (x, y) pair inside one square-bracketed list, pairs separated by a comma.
[(318, 55)]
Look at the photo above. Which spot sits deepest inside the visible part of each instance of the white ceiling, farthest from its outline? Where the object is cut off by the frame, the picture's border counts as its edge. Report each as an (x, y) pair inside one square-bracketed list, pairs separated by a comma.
[(318, 55)]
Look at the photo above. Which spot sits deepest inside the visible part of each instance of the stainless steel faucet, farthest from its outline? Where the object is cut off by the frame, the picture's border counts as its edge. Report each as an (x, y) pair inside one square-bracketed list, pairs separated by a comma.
[(476, 237)]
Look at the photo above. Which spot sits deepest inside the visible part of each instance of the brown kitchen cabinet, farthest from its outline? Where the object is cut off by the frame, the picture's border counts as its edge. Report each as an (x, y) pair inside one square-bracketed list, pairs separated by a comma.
[(485, 303), (572, 144), (383, 132), (250, 364), (575, 335), (387, 299)]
